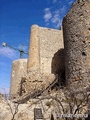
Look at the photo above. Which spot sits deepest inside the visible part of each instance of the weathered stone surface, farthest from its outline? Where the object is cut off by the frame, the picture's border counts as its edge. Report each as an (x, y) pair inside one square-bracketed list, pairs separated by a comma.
[(19, 69), (45, 43), (25, 111), (79, 1), (35, 82), (76, 29), (55, 104), (51, 45), (46, 58), (34, 49)]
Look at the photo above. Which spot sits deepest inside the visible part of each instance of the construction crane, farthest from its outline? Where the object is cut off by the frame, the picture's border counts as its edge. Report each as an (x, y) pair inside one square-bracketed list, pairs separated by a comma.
[(21, 51)]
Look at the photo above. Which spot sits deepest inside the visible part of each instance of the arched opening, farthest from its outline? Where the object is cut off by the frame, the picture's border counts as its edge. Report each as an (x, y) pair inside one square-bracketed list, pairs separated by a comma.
[(58, 67)]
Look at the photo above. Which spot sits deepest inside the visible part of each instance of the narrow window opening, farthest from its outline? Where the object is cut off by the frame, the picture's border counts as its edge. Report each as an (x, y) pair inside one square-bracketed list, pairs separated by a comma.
[(84, 54)]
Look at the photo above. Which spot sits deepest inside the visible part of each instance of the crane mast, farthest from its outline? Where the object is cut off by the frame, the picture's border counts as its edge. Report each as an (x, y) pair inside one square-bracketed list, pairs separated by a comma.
[(21, 51)]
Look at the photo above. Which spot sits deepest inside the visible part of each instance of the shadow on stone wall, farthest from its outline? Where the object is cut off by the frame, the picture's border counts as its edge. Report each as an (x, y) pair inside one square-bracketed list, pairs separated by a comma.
[(58, 66)]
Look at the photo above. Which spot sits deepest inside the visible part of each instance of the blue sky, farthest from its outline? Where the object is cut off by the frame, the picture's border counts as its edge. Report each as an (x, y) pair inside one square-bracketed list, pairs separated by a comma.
[(16, 19)]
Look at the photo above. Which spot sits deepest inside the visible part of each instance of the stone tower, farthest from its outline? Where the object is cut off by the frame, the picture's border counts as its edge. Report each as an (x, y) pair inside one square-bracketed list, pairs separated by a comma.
[(45, 43), (33, 60), (19, 69), (76, 30), (46, 58)]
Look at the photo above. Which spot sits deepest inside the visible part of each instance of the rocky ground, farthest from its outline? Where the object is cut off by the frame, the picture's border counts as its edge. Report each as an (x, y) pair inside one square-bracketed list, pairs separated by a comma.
[(55, 103), (13, 111)]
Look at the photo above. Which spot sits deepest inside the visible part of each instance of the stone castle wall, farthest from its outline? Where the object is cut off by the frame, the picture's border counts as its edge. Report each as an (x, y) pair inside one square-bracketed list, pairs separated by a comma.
[(51, 45), (47, 52), (45, 58), (76, 29), (45, 43)]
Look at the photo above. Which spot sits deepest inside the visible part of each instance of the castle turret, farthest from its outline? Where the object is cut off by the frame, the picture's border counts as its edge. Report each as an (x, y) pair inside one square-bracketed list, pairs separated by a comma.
[(34, 61), (76, 29), (45, 60), (19, 69)]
